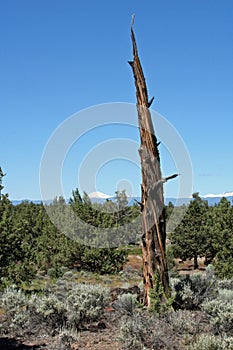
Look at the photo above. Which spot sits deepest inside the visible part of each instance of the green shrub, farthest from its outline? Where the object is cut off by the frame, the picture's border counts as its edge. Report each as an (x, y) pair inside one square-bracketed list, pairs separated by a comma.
[(171, 262), (103, 260), (223, 263), (30, 243), (156, 294)]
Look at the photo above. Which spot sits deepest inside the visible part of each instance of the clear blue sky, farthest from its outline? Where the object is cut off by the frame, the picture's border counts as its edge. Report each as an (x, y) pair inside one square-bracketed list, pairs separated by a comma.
[(59, 57)]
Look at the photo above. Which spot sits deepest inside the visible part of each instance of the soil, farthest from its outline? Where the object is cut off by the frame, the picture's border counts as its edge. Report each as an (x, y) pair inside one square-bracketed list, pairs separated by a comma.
[(102, 339), (186, 267)]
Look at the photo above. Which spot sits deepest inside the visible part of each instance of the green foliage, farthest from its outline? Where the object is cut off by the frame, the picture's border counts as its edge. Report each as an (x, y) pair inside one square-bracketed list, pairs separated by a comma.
[(222, 238), (206, 231), (1, 177), (103, 260), (76, 197), (174, 215), (30, 243), (169, 209), (171, 261), (159, 302), (224, 263), (189, 239), (119, 221)]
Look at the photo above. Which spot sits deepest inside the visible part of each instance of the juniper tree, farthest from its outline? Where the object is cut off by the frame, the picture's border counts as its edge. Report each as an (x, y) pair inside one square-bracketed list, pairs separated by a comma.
[(1, 177), (189, 238)]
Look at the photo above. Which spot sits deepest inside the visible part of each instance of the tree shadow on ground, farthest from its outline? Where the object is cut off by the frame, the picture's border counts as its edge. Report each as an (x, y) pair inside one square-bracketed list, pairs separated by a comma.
[(13, 344)]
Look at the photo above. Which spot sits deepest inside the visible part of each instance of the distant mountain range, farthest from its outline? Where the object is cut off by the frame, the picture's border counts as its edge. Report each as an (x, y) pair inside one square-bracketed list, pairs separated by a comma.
[(175, 201), (210, 200), (99, 197)]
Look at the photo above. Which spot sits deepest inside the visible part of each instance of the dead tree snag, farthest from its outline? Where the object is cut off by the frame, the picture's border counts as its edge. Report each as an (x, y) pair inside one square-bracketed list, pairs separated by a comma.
[(152, 200)]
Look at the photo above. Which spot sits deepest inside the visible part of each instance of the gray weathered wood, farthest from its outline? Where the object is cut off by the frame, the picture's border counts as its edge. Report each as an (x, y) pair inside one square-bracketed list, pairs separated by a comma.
[(152, 200)]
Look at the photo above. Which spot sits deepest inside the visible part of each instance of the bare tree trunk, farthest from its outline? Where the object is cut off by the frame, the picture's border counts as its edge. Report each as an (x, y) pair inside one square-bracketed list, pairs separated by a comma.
[(152, 200), (195, 262)]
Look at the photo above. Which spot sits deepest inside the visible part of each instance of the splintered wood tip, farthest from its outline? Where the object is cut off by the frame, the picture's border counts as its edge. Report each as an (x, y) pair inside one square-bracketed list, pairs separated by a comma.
[(132, 21)]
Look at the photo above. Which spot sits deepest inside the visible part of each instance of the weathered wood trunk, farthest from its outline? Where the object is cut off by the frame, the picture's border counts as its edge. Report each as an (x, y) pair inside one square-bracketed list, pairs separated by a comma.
[(152, 200)]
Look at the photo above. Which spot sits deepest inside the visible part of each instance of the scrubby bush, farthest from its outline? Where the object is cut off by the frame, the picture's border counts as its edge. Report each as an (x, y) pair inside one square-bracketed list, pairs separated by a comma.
[(125, 303), (47, 312), (142, 331), (220, 313), (67, 337), (14, 303), (135, 332), (191, 291), (211, 342), (225, 295), (53, 312), (225, 284), (86, 303), (182, 322)]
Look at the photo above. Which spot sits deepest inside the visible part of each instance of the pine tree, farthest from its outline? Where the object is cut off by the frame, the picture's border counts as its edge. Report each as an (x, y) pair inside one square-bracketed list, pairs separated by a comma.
[(1, 177), (222, 238), (189, 238)]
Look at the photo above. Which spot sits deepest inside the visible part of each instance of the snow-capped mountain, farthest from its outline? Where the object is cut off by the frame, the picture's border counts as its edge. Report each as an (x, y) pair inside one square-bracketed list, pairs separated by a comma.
[(100, 195), (224, 194), (211, 198)]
